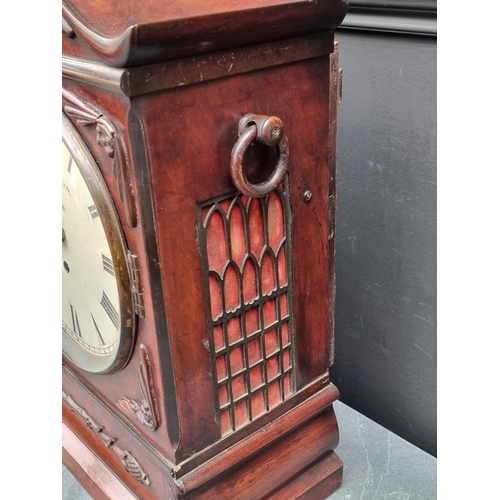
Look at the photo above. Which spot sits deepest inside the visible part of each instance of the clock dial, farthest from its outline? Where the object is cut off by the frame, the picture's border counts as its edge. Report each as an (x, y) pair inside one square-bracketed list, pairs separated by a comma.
[(96, 301)]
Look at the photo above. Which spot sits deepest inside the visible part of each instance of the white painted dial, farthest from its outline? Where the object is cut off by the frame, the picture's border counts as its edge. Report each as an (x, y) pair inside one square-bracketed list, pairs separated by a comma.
[(90, 298), (98, 319)]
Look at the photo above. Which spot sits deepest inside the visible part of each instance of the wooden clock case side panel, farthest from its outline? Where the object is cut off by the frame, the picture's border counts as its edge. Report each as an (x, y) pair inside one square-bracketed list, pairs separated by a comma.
[(111, 388), (182, 287), (309, 195), (189, 133)]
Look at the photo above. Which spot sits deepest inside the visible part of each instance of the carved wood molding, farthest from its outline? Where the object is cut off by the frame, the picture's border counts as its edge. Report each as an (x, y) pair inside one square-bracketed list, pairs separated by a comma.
[(112, 142), (67, 30), (86, 115), (139, 80), (129, 462), (147, 412), (115, 49)]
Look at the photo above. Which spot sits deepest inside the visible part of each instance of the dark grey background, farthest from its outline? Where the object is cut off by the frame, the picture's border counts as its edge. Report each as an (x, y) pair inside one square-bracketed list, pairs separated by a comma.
[(385, 320)]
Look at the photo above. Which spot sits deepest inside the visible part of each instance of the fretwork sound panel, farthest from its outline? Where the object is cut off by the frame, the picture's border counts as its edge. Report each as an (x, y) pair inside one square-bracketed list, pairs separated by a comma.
[(246, 247)]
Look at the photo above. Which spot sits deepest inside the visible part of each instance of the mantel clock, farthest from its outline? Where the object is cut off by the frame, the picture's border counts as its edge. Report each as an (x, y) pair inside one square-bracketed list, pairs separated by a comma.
[(198, 239)]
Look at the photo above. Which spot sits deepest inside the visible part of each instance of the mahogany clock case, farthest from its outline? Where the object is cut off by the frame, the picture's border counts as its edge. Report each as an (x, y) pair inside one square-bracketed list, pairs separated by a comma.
[(194, 411)]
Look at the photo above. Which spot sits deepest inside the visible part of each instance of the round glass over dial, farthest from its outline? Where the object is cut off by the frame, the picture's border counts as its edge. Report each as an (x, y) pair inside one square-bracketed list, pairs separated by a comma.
[(96, 302)]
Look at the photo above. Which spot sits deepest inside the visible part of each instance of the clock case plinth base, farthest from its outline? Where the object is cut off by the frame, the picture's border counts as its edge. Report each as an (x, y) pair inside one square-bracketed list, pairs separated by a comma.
[(270, 463)]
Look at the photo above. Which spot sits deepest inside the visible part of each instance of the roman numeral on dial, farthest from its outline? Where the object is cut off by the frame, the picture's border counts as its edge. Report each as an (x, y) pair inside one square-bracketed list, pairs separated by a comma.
[(93, 211), (110, 310), (74, 319), (99, 336), (107, 265), (70, 164)]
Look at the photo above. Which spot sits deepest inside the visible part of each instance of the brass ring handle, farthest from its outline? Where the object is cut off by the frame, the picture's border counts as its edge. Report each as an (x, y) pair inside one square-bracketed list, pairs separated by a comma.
[(267, 130)]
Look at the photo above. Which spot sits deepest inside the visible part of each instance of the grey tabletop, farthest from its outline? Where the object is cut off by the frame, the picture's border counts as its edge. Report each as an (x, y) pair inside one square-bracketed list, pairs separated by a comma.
[(378, 465)]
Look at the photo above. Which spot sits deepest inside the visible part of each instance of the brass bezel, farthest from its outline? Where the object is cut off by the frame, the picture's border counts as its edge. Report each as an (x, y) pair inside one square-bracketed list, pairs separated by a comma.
[(116, 240)]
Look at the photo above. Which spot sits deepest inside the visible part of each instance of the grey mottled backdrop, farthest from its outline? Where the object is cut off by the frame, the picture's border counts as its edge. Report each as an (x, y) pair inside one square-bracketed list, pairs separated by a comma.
[(385, 364)]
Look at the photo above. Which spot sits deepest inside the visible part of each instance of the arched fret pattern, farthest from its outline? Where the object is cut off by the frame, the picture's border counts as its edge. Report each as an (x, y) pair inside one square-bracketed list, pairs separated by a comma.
[(245, 247)]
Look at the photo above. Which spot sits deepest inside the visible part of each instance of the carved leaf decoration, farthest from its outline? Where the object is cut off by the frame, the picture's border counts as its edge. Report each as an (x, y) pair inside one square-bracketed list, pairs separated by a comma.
[(147, 386), (131, 408), (134, 468), (112, 143), (77, 409), (86, 115), (105, 138), (147, 412), (126, 458), (83, 116)]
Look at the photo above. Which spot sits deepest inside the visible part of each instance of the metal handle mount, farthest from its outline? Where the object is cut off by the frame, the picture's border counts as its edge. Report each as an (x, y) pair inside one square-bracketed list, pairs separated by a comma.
[(267, 130)]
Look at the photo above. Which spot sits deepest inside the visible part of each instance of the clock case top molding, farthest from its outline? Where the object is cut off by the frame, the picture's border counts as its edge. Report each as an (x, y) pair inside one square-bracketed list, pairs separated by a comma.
[(156, 93)]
